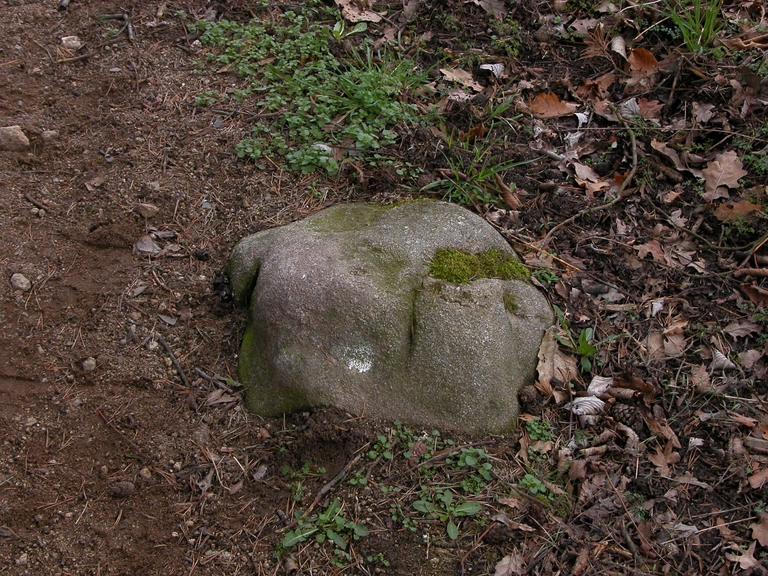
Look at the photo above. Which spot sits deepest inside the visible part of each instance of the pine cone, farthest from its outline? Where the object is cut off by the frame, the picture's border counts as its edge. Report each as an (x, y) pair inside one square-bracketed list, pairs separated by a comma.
[(627, 415)]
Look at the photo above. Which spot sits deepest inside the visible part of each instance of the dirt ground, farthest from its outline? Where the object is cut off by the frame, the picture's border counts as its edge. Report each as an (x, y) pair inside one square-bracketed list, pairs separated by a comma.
[(110, 463)]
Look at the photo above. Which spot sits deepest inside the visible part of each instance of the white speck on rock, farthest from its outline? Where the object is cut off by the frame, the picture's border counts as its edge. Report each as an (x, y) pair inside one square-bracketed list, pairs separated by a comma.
[(359, 358)]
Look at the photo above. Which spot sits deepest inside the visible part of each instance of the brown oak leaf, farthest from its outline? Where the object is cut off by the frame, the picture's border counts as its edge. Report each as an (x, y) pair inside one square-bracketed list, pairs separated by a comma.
[(548, 105), (722, 173)]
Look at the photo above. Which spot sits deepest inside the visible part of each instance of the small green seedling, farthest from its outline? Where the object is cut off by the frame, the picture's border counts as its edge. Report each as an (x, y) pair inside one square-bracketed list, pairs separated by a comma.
[(328, 525), (584, 345), (538, 429), (383, 448), (340, 32), (442, 506), (358, 479), (535, 488), (306, 471)]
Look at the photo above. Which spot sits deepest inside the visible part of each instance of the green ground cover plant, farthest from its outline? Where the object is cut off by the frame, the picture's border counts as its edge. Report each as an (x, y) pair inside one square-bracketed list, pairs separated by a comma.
[(317, 103)]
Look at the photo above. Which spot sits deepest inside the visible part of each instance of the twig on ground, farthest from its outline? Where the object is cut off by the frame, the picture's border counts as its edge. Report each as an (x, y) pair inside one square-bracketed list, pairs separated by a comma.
[(31, 200), (760, 272), (752, 246), (131, 443), (176, 364), (437, 458), (212, 380), (619, 193), (476, 545), (339, 477)]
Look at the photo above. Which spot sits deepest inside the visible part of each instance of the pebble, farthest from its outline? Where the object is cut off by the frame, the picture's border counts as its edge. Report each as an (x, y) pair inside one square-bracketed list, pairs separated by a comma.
[(71, 42), (13, 139), (122, 489), (147, 210), (21, 282), (89, 364), (145, 473), (22, 560)]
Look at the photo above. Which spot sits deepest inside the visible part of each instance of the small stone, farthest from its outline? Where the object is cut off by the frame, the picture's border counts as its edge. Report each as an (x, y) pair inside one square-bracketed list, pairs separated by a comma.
[(21, 282), (147, 210), (122, 489), (22, 560), (145, 473), (34, 210), (40, 213), (89, 364), (103, 472), (71, 42), (13, 139), (31, 421), (48, 135)]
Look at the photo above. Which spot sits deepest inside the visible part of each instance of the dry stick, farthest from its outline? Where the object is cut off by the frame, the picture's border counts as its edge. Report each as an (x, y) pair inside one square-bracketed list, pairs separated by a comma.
[(212, 380), (339, 477), (760, 272), (620, 192), (130, 442), (477, 544), (40, 205), (176, 364), (93, 52), (437, 458), (752, 246)]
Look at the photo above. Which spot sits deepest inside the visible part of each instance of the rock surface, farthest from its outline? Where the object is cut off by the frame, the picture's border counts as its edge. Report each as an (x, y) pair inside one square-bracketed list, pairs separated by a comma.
[(21, 282), (344, 312), (13, 139)]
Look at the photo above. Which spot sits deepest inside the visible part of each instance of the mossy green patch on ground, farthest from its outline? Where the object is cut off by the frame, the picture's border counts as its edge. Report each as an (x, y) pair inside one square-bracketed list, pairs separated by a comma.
[(461, 267)]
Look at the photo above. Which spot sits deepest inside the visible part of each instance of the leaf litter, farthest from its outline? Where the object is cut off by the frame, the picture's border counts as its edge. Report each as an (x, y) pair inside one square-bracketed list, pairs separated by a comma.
[(650, 457)]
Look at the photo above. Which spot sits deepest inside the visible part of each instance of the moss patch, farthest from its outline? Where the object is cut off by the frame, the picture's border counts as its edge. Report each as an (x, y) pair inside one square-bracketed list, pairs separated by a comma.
[(460, 267), (510, 302)]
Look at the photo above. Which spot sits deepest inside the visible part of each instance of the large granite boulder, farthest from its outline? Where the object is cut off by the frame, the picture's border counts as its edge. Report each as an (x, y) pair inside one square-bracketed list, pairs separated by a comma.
[(420, 312)]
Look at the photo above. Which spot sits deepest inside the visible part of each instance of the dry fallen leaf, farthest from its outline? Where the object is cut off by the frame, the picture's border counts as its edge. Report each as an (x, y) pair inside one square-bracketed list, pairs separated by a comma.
[(730, 211), (510, 565), (462, 77), (720, 361), (553, 364), (355, 14), (745, 558), (672, 154), (643, 61), (760, 529), (663, 459), (722, 173), (742, 329), (494, 7), (650, 109), (703, 112), (619, 46), (653, 248), (757, 481), (147, 245), (586, 406), (548, 105), (502, 518)]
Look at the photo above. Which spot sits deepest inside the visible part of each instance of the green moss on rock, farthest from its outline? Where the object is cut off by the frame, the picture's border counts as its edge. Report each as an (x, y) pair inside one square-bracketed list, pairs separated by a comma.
[(460, 267)]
